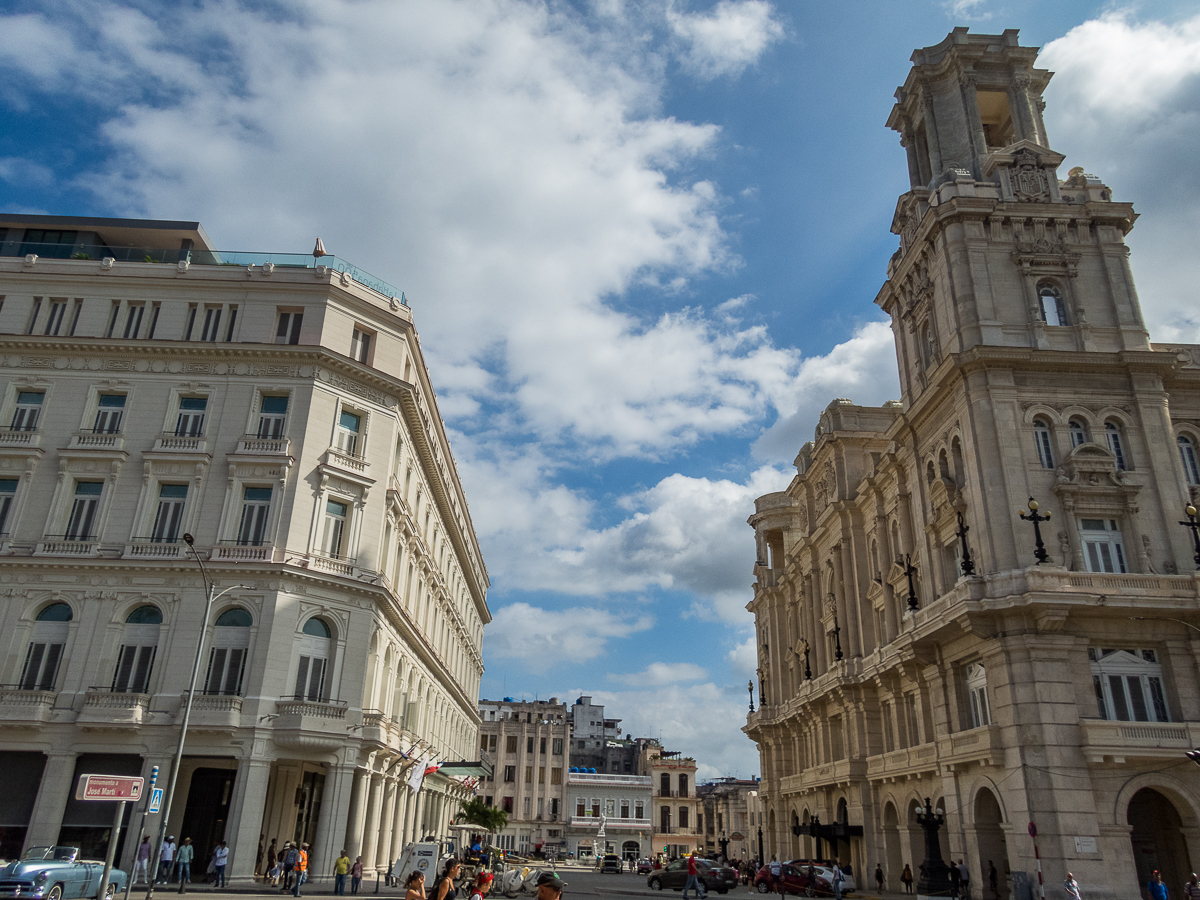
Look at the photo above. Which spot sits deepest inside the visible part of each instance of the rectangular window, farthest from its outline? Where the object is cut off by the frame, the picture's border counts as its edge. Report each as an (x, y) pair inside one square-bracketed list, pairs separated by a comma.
[(33, 315), (527, 806), (557, 747), (190, 422), (232, 321), (310, 678), (542, 746), (541, 806), (226, 666), (256, 504), (169, 517), (529, 745), (491, 743), (212, 323), (154, 311), (335, 528), (510, 744), (683, 817), (360, 346), (483, 742), (1102, 546), (8, 496), (133, 670), (910, 708), (541, 774), (349, 426), (510, 773), (191, 322), (624, 809), (110, 410), (1041, 441), (272, 416), (28, 411), (58, 309), (83, 510), (595, 808), (112, 319), (507, 806), (133, 320), (529, 774), (555, 775), (980, 712), (41, 667), (287, 330)]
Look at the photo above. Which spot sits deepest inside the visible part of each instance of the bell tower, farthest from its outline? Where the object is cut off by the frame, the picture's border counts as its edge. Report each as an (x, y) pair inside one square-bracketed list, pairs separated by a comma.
[(995, 249)]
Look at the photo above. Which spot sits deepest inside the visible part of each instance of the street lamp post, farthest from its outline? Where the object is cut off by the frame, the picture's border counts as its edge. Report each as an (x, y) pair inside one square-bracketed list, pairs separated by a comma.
[(211, 598), (1195, 527), (1039, 551), (750, 688), (935, 874), (837, 638), (909, 571), (807, 668), (966, 564)]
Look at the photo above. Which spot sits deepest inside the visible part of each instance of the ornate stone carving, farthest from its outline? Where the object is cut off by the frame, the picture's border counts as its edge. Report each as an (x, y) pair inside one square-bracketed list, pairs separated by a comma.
[(1029, 180)]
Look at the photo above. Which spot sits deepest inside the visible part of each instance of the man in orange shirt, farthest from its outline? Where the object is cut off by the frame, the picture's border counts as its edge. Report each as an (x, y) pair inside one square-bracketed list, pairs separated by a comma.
[(301, 869)]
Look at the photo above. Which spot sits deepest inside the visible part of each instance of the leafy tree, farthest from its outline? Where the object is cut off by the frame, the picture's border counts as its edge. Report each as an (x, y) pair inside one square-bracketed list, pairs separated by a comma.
[(489, 818)]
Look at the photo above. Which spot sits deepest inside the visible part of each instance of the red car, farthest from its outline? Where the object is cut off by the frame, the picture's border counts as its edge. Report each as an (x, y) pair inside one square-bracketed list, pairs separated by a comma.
[(792, 880)]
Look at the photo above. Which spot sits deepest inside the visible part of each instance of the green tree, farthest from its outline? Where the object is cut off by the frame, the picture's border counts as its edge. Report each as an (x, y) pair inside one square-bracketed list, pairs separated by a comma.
[(488, 818)]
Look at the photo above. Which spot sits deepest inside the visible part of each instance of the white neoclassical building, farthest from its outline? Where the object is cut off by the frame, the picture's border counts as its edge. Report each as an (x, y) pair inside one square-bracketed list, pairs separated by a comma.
[(278, 408)]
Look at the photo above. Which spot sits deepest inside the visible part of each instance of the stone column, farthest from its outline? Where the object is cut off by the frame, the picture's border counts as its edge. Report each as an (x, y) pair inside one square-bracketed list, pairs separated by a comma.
[(357, 812), (399, 817), (55, 790), (387, 813), (338, 804), (245, 818), (371, 831)]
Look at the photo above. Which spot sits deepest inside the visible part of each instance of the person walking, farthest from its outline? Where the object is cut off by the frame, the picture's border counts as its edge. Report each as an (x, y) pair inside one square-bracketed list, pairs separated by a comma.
[(414, 888), (301, 870), (183, 857), (356, 875), (291, 858), (258, 856), (1191, 890), (483, 884), (141, 862), (1071, 887), (443, 888), (1156, 888), (272, 862), (906, 878), (341, 866), (993, 880), (693, 882), (955, 879), (166, 860), (838, 878), (964, 876), (220, 861), (879, 877)]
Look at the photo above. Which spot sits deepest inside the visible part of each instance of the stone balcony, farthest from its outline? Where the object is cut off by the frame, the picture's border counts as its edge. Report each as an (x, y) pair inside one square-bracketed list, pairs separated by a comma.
[(213, 712), (103, 708), (315, 725), (234, 551), (611, 822), (253, 445), (148, 548), (19, 706), (97, 440), (26, 440), (346, 462), (1116, 742), (180, 443)]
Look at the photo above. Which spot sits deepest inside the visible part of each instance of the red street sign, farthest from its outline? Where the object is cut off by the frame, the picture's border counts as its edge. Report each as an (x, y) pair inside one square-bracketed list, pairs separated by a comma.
[(108, 787), (1032, 830)]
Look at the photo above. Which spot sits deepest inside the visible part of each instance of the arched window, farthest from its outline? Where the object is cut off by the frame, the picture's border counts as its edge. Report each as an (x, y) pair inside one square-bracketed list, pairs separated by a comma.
[(45, 651), (227, 658), (1191, 467), (1079, 433), (981, 712), (314, 660), (1041, 441), (1050, 301), (1112, 433), (929, 472), (139, 646), (145, 615), (944, 465), (960, 473)]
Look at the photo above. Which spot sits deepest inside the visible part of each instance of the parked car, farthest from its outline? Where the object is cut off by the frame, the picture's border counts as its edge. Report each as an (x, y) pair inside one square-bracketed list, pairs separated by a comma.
[(714, 877), (794, 880), (611, 863), (55, 873), (826, 872), (644, 866)]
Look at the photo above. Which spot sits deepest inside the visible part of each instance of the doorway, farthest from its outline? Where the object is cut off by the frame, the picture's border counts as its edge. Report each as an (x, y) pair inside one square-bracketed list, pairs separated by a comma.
[(1157, 839), (308, 807), (206, 814), (993, 848), (891, 840)]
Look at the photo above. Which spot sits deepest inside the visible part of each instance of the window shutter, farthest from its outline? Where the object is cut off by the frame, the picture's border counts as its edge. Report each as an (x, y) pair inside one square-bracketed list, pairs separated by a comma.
[(125, 661), (233, 673), (33, 666), (216, 669), (50, 667), (141, 674), (301, 677), (316, 679)]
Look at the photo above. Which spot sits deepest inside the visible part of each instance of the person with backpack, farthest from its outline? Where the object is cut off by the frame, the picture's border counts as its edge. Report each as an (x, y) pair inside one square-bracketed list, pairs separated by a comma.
[(906, 878), (301, 870), (291, 856), (443, 888)]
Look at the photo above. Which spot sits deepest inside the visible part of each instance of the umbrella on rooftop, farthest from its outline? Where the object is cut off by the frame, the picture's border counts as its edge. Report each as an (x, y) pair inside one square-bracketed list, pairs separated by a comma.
[(319, 250)]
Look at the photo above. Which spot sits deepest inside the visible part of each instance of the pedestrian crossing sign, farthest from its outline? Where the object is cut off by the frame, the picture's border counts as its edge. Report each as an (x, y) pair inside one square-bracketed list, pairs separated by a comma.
[(156, 796)]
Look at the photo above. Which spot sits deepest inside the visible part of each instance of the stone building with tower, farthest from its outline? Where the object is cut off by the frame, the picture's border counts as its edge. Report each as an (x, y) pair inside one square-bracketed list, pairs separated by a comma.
[(911, 645), (278, 408)]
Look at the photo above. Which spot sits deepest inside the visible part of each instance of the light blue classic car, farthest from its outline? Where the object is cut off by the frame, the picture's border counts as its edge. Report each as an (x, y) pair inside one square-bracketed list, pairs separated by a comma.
[(54, 873)]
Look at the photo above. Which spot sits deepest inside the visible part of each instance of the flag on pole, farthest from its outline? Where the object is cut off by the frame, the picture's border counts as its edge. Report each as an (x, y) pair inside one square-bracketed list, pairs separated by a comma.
[(431, 767), (418, 775)]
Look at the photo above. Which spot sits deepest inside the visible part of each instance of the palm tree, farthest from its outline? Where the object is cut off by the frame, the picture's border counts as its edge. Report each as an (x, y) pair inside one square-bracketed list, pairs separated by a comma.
[(489, 818)]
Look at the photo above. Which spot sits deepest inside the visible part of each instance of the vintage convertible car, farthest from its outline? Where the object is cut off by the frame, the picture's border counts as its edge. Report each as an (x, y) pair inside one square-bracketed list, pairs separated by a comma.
[(54, 873)]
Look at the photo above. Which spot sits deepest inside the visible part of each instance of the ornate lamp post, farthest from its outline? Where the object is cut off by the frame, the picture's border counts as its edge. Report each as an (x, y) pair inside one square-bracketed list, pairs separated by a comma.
[(814, 831), (967, 564), (1191, 523), (750, 688), (1039, 551), (909, 571), (837, 638), (807, 668), (935, 874)]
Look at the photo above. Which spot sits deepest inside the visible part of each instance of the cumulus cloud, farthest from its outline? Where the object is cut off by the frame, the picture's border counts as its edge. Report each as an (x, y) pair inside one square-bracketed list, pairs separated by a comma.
[(663, 673), (1125, 104), (728, 39), (542, 638), (966, 9)]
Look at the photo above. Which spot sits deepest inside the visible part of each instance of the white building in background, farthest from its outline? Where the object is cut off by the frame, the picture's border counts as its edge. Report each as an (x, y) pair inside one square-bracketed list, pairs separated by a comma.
[(279, 409), (618, 804)]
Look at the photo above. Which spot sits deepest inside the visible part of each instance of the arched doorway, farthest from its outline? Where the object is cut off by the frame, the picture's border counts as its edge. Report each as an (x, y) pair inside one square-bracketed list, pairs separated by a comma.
[(916, 839), (1157, 838), (794, 839), (630, 850), (993, 850), (894, 864)]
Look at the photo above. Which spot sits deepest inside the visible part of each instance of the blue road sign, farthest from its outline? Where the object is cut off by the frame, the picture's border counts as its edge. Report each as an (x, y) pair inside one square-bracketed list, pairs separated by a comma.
[(156, 796)]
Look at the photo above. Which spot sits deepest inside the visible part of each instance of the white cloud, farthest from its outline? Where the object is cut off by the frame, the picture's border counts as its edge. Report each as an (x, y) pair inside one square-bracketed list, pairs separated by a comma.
[(1125, 104), (544, 638), (727, 40), (744, 657), (15, 169), (966, 9), (663, 673)]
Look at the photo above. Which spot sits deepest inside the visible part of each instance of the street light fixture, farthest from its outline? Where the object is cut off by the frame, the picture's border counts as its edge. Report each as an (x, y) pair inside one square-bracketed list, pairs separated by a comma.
[(1039, 551), (807, 668), (187, 707), (750, 688), (1194, 525), (909, 571), (966, 564)]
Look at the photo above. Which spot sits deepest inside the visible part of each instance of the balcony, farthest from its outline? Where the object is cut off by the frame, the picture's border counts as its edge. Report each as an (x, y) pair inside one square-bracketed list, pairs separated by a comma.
[(336, 565), (19, 437), (213, 712), (153, 548), (253, 445), (238, 551), (347, 463), (103, 708), (610, 823), (1116, 742), (180, 443), (19, 706), (316, 725), (97, 440), (67, 545)]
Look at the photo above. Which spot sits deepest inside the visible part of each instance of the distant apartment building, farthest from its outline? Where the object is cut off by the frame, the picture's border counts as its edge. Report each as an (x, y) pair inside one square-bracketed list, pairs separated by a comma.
[(729, 817), (278, 408), (676, 808), (609, 814), (526, 744)]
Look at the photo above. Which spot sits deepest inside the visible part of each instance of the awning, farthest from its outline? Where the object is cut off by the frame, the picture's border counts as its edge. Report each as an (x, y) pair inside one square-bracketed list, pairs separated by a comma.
[(479, 769)]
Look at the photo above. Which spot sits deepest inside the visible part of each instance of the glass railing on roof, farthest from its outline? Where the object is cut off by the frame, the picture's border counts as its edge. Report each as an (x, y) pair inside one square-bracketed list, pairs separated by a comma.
[(202, 258)]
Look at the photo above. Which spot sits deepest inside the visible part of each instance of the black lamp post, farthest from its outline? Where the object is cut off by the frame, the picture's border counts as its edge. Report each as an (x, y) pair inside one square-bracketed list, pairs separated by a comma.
[(760, 844), (807, 668), (814, 831), (935, 874), (967, 564), (724, 842), (837, 638), (1191, 523), (750, 688), (909, 571), (1039, 551)]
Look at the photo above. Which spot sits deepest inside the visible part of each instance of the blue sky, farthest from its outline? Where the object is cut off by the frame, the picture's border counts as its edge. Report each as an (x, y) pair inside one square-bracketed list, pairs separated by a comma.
[(641, 241)]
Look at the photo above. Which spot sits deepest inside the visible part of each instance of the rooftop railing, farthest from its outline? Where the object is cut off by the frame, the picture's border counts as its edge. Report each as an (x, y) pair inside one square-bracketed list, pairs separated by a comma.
[(202, 258)]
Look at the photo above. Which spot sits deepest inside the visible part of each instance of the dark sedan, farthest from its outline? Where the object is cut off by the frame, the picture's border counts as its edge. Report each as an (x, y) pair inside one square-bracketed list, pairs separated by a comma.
[(792, 880), (713, 877)]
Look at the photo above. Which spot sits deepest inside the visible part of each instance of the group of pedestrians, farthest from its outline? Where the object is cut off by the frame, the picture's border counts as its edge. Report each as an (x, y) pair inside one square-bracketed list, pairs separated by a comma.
[(1156, 888)]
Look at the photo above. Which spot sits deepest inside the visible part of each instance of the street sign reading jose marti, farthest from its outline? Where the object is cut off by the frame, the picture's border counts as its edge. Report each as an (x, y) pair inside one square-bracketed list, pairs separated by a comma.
[(108, 787)]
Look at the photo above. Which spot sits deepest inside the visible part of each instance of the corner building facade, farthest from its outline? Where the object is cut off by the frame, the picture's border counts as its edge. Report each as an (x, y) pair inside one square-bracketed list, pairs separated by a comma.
[(1063, 693), (279, 409)]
